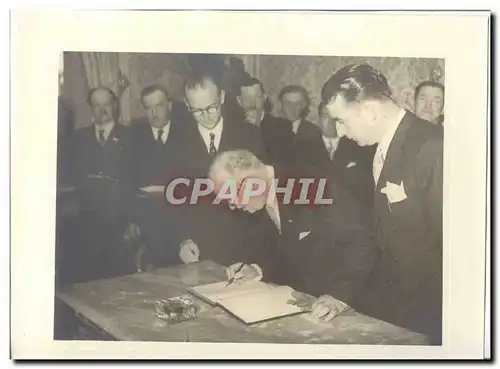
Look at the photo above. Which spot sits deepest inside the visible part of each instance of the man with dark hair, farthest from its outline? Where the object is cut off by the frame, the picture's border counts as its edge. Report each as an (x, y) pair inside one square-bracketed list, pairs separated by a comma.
[(429, 101), (295, 103), (99, 146), (151, 144), (256, 106), (253, 100), (151, 161), (99, 173), (408, 176), (212, 229), (296, 142)]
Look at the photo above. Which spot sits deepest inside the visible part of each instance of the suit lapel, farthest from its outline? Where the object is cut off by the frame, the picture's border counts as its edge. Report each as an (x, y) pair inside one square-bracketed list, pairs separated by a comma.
[(148, 134), (197, 143), (226, 136), (304, 132), (115, 133), (342, 151), (91, 136), (391, 171)]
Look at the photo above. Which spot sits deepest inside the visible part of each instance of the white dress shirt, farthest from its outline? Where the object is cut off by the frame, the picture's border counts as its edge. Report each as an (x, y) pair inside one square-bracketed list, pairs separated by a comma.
[(331, 142), (164, 136), (383, 146), (296, 125), (272, 206), (107, 127), (217, 131)]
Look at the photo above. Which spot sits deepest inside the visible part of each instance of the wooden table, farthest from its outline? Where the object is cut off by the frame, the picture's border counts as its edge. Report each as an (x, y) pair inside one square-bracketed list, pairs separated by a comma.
[(123, 308)]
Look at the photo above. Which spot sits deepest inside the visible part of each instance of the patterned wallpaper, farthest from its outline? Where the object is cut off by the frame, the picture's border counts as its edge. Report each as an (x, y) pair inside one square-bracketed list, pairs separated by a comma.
[(146, 69), (404, 74), (276, 71)]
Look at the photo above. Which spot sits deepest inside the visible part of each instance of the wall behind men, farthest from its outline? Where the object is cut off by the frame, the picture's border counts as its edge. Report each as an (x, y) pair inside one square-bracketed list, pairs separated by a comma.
[(275, 72), (403, 74)]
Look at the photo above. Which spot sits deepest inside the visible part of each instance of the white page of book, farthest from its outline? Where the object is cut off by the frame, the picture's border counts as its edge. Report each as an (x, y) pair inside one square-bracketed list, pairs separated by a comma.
[(261, 305), (215, 292)]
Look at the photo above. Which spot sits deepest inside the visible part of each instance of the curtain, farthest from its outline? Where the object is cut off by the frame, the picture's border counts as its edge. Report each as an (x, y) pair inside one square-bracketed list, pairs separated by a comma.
[(103, 69), (252, 65)]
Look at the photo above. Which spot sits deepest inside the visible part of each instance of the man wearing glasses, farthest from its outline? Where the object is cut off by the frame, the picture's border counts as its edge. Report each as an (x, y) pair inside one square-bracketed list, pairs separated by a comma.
[(215, 232)]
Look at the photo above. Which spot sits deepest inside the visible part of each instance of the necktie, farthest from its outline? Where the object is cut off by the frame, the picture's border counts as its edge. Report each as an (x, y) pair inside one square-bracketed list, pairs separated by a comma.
[(102, 140), (159, 138), (378, 164), (212, 148)]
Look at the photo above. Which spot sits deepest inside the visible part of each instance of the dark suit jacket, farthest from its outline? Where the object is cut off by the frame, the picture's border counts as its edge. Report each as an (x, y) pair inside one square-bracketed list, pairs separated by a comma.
[(65, 142), (194, 157), (222, 235), (99, 250), (291, 154), (93, 159), (278, 138), (329, 249), (351, 166), (407, 283), (149, 163)]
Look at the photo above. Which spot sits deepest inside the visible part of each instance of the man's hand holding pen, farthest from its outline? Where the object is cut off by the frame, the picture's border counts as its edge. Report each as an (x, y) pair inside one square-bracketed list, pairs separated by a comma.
[(241, 273)]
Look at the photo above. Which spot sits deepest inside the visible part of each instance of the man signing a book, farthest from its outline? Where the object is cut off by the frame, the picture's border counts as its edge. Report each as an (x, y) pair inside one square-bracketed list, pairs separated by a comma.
[(325, 251)]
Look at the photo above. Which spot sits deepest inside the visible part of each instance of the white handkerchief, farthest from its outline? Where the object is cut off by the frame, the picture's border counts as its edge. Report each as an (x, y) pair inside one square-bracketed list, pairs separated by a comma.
[(351, 164), (303, 235), (394, 192)]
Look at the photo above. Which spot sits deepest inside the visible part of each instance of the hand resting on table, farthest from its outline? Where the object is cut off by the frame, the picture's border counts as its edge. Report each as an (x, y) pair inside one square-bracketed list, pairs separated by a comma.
[(323, 309)]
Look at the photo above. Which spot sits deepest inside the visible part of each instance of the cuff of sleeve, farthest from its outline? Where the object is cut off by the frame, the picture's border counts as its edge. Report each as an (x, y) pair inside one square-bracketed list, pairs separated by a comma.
[(258, 269), (343, 306)]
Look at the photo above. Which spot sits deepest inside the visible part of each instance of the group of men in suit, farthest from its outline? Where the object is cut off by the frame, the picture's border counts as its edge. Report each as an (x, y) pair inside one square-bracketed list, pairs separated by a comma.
[(377, 248)]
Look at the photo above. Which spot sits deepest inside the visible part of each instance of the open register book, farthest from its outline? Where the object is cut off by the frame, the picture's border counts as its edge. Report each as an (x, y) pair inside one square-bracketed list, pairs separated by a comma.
[(250, 302)]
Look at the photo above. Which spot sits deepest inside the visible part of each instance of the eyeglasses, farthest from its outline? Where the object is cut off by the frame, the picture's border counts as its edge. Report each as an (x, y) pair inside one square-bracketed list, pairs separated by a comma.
[(212, 109)]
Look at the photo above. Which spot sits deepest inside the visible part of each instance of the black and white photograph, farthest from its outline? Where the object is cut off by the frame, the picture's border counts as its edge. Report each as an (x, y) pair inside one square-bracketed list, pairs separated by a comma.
[(365, 268), (264, 198)]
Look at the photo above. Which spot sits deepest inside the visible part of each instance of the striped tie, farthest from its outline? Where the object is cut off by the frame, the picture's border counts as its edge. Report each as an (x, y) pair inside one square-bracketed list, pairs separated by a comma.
[(102, 139), (212, 148)]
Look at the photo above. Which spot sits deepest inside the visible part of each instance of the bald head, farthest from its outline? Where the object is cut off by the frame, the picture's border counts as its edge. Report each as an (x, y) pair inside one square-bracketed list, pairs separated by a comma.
[(238, 167)]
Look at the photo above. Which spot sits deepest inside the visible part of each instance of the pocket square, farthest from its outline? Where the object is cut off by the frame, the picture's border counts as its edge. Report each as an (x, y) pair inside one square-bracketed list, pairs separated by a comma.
[(351, 164), (394, 192), (303, 235)]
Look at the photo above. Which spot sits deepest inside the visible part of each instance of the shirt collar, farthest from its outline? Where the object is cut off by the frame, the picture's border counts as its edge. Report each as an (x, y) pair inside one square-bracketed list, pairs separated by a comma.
[(108, 127), (391, 131), (272, 206), (296, 125), (165, 129), (217, 130), (333, 140)]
